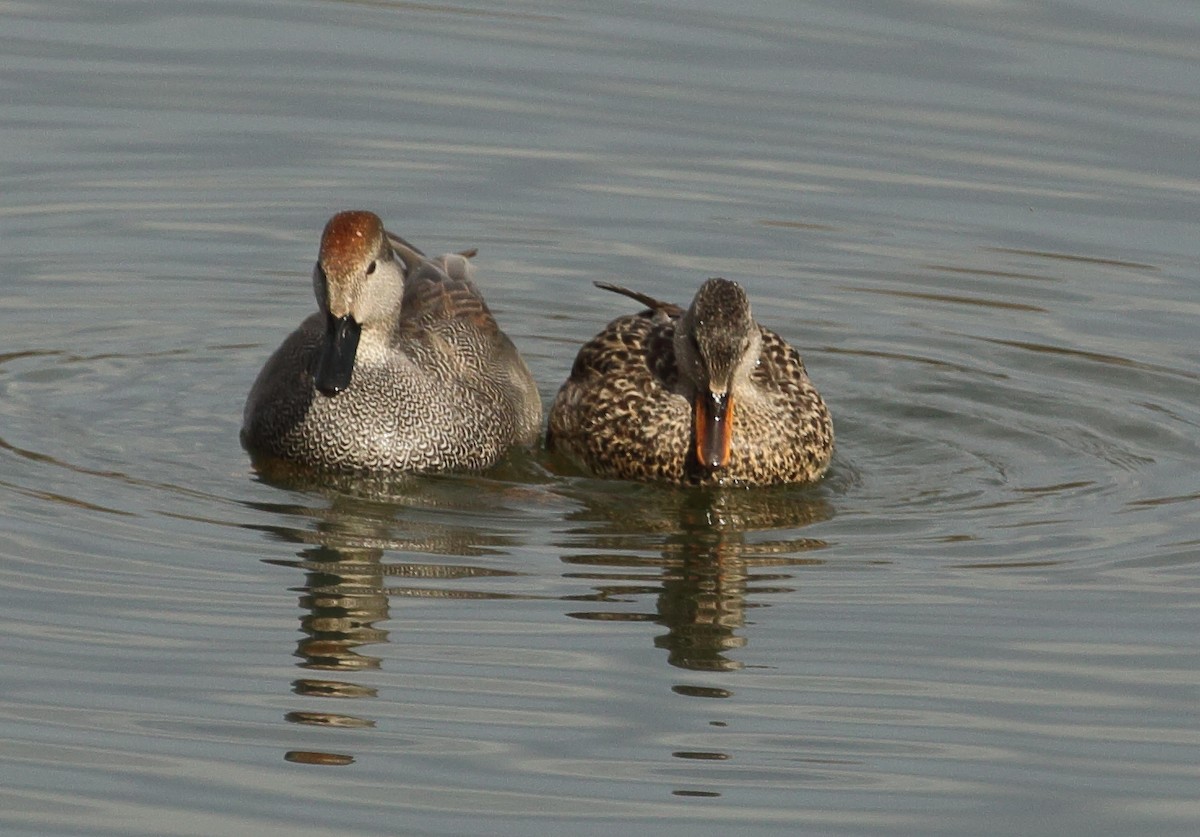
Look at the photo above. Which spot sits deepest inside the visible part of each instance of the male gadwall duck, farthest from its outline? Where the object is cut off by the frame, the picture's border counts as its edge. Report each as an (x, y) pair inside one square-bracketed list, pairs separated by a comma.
[(702, 396), (402, 369)]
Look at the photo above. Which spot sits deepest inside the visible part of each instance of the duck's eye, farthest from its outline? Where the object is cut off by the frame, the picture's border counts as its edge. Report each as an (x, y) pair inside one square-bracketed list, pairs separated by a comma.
[(371, 268)]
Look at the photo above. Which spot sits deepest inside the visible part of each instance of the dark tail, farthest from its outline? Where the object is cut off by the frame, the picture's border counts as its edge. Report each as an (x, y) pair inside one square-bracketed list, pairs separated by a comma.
[(650, 302)]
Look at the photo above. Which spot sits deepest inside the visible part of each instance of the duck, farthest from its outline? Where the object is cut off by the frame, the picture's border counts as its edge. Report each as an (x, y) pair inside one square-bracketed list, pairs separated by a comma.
[(695, 396), (403, 368)]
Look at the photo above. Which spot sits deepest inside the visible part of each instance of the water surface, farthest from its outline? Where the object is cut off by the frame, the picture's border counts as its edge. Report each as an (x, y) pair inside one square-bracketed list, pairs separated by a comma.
[(975, 221)]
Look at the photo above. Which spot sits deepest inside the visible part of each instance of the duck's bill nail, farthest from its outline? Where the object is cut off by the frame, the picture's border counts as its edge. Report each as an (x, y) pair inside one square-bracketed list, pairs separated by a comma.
[(336, 363), (712, 428)]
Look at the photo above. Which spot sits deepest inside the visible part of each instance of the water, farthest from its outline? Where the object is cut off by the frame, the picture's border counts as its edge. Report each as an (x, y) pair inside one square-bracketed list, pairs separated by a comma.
[(976, 221)]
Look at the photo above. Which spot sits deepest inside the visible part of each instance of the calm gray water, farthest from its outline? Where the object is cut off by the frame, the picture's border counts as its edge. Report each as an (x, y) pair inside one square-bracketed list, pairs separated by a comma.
[(978, 223)]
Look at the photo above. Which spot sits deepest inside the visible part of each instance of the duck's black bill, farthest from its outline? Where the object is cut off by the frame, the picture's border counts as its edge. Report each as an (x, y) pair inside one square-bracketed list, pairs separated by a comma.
[(712, 429), (336, 363)]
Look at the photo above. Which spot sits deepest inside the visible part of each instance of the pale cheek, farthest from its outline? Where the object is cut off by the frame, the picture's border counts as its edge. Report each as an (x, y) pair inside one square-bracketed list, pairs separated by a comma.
[(747, 366)]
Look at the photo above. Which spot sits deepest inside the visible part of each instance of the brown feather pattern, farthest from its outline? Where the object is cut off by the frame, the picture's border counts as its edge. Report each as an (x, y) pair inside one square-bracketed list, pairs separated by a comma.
[(625, 411)]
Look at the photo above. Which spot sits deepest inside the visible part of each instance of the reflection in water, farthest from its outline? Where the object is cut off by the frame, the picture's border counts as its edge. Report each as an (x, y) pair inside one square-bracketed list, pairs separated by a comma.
[(312, 757), (708, 560), (703, 556), (344, 598), (345, 593)]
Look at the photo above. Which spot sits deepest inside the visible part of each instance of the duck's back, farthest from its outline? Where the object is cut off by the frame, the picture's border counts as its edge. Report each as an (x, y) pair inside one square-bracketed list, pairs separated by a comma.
[(618, 413), (447, 391)]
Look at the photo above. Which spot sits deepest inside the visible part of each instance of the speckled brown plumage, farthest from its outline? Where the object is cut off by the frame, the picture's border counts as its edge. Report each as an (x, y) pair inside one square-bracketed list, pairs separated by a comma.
[(435, 383), (627, 409)]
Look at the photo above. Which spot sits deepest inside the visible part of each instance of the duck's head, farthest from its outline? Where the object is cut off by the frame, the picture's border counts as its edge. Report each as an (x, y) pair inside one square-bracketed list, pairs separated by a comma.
[(359, 283), (717, 344)]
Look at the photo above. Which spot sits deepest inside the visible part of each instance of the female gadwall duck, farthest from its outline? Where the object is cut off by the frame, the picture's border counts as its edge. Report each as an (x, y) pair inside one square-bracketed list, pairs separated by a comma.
[(402, 369), (702, 396)]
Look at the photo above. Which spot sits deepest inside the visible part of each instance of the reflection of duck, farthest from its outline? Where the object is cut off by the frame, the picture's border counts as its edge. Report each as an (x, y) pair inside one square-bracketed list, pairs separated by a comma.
[(707, 556), (621, 515), (348, 587), (343, 599), (704, 395), (402, 369)]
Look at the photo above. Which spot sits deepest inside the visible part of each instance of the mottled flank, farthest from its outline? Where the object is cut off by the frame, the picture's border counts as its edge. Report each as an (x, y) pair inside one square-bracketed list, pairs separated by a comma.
[(402, 369), (639, 401)]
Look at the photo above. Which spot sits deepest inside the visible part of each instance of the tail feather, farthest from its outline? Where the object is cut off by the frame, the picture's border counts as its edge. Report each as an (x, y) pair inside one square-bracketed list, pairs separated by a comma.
[(669, 308)]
